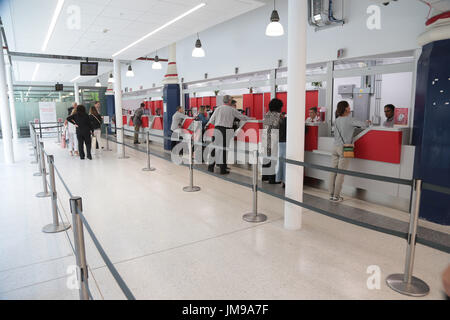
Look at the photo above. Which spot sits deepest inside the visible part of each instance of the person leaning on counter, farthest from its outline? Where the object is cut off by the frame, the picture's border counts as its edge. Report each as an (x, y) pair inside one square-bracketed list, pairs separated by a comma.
[(223, 118), (177, 121), (313, 116), (343, 134), (389, 112)]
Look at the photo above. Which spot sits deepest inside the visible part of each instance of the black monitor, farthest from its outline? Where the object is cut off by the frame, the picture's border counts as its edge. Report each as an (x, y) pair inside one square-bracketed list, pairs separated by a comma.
[(89, 68), (59, 87)]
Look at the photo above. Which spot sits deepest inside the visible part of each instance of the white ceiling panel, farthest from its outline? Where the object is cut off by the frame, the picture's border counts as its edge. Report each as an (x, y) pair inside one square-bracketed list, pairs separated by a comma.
[(107, 26)]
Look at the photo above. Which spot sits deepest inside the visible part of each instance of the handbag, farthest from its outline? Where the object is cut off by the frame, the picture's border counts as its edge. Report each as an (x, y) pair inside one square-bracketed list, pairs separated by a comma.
[(348, 149)]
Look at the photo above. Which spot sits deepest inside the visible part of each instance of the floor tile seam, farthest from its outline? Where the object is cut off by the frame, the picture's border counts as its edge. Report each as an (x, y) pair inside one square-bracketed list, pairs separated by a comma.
[(191, 243), (35, 263), (35, 284)]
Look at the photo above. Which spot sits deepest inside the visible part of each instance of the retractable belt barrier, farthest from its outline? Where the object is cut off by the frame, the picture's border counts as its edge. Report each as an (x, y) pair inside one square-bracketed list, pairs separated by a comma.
[(78, 222), (404, 283)]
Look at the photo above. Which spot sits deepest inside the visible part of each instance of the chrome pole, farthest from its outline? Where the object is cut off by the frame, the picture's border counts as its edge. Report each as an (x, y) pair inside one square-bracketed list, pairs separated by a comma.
[(405, 283), (123, 156), (191, 187), (254, 216), (107, 138), (149, 168), (58, 132), (45, 193), (56, 226), (39, 160), (34, 143), (76, 206)]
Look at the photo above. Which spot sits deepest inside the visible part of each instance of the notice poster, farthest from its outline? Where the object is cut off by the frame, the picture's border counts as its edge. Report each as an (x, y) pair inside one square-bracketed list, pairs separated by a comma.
[(47, 116), (401, 116)]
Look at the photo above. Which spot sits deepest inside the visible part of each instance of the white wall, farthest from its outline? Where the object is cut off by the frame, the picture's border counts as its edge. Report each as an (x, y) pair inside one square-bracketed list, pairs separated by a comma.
[(241, 42)]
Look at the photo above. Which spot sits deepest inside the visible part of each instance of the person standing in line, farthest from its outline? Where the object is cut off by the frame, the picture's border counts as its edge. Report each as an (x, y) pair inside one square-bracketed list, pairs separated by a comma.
[(389, 112), (177, 122), (344, 130), (281, 172), (84, 130), (72, 132), (96, 121), (223, 118), (271, 125), (137, 120)]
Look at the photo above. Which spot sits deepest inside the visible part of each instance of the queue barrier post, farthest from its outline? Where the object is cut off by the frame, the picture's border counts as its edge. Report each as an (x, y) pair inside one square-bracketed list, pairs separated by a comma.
[(58, 132), (191, 187), (39, 158), (254, 216), (123, 156), (45, 193), (76, 206), (405, 283), (34, 144), (56, 226), (149, 168), (107, 138)]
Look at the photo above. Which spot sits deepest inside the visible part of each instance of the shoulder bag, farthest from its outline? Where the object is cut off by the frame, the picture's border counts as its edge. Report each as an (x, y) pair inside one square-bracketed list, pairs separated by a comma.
[(348, 149)]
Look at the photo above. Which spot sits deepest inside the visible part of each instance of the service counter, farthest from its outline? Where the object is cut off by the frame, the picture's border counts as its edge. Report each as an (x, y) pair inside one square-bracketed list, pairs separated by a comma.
[(152, 124), (379, 151)]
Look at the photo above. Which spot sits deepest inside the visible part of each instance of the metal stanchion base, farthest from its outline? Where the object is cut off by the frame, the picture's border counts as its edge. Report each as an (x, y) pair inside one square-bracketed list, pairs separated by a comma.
[(33, 162), (252, 217), (51, 228), (38, 174), (417, 287), (191, 189), (43, 195), (121, 158), (148, 169)]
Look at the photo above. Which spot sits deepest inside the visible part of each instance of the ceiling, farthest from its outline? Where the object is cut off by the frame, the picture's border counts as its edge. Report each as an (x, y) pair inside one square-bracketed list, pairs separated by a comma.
[(105, 27)]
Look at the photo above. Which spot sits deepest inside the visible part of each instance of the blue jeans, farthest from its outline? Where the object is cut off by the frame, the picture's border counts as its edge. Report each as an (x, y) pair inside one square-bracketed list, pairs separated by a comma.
[(281, 171)]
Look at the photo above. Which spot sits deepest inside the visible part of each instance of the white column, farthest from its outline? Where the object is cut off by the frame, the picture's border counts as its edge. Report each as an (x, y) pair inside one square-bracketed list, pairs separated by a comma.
[(76, 90), (296, 110), (12, 102), (4, 111), (118, 103)]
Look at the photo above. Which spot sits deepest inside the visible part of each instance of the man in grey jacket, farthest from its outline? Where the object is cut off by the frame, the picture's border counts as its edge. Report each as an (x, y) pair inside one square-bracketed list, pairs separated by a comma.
[(137, 120)]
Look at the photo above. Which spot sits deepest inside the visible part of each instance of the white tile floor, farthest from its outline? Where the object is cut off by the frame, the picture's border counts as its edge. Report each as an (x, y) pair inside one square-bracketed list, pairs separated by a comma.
[(168, 244)]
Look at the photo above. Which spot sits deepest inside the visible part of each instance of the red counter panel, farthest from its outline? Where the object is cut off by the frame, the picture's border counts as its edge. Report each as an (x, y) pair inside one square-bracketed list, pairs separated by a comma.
[(384, 146), (187, 123), (251, 132), (125, 120), (158, 124), (312, 138), (144, 122)]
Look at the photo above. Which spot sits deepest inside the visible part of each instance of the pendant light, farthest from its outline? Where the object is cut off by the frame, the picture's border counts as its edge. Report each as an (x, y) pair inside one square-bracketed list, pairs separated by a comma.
[(130, 72), (275, 28), (198, 51), (98, 84), (156, 64), (111, 78)]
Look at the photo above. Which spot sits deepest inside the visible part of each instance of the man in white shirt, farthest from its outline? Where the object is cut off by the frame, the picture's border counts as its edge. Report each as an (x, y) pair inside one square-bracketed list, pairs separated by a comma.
[(177, 122), (313, 116), (223, 118)]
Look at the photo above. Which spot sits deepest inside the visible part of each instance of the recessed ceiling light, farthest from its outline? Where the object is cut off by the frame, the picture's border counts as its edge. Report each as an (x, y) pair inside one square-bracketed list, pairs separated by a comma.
[(201, 5), (36, 69), (58, 9)]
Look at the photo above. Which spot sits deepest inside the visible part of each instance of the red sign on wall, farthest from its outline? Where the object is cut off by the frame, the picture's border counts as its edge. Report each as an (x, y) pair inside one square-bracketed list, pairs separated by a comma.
[(401, 116)]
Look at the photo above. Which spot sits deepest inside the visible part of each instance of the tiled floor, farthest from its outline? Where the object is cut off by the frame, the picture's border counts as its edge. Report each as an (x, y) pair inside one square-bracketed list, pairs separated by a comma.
[(168, 244)]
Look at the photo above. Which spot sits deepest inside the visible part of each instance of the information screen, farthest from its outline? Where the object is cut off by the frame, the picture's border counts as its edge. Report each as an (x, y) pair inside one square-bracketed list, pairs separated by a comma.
[(89, 68)]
